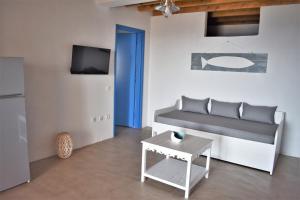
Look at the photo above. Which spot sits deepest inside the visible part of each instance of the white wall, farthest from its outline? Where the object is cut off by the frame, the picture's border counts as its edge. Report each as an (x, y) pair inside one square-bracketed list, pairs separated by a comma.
[(174, 39), (43, 31), (116, 3)]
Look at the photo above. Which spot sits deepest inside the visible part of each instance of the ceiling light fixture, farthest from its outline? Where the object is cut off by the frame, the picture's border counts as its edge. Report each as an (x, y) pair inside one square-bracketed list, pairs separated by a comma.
[(167, 7)]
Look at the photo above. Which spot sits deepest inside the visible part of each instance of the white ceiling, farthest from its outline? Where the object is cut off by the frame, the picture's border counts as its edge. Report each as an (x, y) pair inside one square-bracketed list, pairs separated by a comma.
[(116, 3)]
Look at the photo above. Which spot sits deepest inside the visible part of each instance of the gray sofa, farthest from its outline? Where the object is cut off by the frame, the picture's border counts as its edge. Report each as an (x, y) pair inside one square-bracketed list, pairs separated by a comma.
[(246, 135), (239, 128)]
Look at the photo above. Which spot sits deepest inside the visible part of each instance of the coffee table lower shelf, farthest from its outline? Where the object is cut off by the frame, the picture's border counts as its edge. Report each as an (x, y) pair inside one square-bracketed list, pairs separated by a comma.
[(173, 172)]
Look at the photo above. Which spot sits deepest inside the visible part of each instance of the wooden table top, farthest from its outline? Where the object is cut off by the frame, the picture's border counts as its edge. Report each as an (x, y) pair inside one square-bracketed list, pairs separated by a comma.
[(191, 144)]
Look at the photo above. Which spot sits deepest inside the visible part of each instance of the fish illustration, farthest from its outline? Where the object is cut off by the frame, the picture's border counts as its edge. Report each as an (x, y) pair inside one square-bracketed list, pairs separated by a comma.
[(227, 62)]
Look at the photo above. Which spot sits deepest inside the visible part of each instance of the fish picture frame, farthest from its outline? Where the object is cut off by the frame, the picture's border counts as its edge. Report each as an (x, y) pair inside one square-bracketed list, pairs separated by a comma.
[(230, 62)]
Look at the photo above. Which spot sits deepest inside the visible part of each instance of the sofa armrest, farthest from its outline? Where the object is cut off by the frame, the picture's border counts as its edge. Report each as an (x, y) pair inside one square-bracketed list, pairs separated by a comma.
[(279, 133), (166, 110), (278, 137)]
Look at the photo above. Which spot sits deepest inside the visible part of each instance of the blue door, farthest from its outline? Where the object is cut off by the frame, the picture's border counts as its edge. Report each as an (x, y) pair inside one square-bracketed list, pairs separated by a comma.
[(129, 71), (125, 79)]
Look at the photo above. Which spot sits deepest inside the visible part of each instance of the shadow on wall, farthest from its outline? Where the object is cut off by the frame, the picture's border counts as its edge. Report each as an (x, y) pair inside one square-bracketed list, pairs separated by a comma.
[(57, 101)]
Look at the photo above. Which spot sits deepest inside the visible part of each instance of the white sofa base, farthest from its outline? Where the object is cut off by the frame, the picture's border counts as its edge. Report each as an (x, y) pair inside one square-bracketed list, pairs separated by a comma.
[(253, 154)]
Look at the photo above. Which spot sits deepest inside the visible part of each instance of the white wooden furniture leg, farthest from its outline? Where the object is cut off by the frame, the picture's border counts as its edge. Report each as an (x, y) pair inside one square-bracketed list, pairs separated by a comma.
[(144, 159), (208, 162), (177, 169), (153, 133), (188, 177)]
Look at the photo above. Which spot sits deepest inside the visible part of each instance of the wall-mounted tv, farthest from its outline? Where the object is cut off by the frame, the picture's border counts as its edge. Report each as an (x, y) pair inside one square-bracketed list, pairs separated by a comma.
[(90, 60)]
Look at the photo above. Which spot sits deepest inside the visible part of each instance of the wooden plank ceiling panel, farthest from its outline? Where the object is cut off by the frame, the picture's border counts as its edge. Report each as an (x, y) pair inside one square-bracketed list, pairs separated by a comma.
[(238, 12), (188, 6), (221, 11)]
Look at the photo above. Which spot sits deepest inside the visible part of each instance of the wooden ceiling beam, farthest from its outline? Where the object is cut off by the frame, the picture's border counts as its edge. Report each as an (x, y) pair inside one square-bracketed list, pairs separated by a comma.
[(190, 3), (240, 12), (250, 19), (233, 6)]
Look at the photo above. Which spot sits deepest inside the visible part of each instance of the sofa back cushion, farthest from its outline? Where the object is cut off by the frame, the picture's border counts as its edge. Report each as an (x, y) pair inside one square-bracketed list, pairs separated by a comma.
[(264, 114), (225, 109), (195, 105)]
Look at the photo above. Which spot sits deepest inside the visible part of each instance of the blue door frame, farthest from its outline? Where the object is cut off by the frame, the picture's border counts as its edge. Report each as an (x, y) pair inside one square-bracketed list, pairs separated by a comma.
[(137, 74)]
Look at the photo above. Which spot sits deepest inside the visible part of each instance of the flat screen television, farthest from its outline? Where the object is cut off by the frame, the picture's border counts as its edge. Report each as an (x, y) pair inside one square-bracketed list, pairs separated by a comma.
[(90, 60)]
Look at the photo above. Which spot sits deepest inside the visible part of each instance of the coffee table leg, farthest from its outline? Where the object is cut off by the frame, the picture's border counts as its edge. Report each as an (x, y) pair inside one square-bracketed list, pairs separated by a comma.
[(208, 162), (144, 159), (188, 177)]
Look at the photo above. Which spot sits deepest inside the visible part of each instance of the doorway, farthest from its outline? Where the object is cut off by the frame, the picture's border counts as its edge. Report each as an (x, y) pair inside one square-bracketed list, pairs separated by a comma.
[(129, 73)]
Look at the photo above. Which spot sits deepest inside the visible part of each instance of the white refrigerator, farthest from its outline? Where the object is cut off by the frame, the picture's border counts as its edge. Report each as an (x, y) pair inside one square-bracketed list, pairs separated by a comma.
[(14, 162)]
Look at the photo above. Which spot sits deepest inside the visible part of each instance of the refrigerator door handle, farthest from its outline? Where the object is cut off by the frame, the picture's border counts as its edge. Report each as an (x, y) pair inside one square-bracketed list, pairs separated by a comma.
[(9, 96)]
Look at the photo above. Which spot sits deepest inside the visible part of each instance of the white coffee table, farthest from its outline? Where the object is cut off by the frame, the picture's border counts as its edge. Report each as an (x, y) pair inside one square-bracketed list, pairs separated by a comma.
[(177, 169)]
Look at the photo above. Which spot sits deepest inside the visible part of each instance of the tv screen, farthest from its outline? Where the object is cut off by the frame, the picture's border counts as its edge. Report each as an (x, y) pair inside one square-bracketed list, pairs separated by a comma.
[(90, 60)]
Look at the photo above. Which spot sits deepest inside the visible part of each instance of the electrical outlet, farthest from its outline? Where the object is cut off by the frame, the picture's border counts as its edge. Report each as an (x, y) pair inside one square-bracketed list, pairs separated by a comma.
[(94, 119), (105, 117), (101, 118)]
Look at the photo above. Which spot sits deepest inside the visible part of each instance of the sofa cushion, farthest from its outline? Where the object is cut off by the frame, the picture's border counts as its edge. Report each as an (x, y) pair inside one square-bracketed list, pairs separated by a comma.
[(264, 114), (225, 109), (195, 105), (238, 128)]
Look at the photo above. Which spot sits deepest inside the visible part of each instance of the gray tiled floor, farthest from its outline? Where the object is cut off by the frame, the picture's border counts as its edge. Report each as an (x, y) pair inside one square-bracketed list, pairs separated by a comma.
[(111, 170)]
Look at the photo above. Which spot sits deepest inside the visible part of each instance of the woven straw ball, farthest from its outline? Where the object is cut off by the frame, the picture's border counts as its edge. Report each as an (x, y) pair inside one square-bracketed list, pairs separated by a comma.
[(64, 145)]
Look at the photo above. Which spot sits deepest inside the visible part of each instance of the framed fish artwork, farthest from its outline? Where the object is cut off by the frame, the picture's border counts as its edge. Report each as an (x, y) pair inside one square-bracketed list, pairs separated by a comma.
[(230, 62)]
